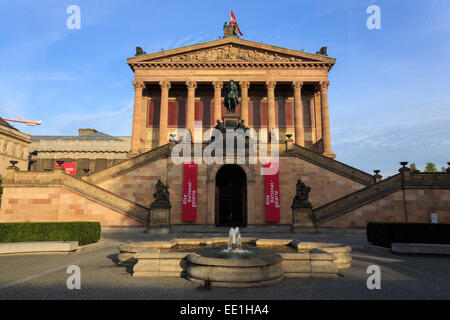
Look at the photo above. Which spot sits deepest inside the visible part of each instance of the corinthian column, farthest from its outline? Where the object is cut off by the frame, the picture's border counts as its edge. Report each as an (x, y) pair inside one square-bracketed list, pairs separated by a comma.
[(191, 85), (313, 120), (138, 118), (244, 101), (217, 101), (326, 135), (164, 111), (298, 113), (318, 113), (271, 105)]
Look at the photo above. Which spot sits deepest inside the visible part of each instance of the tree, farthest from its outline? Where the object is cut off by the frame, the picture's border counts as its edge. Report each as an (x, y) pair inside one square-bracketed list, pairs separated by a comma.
[(443, 169), (413, 167), (431, 167)]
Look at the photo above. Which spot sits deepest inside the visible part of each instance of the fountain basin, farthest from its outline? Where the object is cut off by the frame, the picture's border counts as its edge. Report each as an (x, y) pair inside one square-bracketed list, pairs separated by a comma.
[(170, 258), (223, 272)]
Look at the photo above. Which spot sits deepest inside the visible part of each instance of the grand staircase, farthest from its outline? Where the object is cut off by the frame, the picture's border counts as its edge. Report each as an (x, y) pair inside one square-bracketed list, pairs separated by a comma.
[(357, 199), (88, 190), (403, 180)]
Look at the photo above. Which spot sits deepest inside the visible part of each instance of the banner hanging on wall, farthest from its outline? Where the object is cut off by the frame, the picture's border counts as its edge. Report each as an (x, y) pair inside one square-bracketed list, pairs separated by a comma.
[(272, 194), (189, 192), (69, 167)]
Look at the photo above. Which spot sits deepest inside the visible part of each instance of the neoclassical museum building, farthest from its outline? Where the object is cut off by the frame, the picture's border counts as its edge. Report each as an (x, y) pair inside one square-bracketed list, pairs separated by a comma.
[(184, 90)]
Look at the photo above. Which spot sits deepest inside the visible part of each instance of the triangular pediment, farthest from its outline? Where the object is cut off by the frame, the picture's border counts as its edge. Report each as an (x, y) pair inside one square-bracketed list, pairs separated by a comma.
[(231, 50)]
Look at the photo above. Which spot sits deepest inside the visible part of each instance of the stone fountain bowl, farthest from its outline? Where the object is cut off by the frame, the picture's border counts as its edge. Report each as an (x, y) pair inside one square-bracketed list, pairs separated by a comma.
[(234, 273), (200, 262)]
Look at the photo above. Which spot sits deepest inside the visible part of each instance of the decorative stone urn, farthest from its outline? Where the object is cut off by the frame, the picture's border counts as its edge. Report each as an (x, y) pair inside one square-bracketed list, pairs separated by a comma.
[(302, 215), (159, 216)]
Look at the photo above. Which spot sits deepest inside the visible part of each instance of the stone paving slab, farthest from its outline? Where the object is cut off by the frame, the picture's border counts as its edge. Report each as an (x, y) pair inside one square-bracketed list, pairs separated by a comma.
[(44, 277)]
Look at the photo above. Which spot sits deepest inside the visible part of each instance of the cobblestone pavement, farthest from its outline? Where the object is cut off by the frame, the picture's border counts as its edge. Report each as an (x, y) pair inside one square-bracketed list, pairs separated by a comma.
[(44, 276)]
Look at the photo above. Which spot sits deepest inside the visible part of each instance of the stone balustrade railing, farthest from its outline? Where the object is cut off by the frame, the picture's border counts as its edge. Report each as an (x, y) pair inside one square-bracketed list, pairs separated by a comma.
[(129, 164), (357, 199), (403, 180), (331, 165)]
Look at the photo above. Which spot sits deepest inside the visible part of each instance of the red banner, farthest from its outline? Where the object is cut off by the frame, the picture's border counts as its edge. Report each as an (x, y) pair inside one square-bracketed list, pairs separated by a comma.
[(272, 193), (190, 192), (70, 167)]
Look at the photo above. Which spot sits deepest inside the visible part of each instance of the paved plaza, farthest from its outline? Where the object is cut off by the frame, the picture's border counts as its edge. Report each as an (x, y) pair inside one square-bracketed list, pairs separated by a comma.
[(45, 277)]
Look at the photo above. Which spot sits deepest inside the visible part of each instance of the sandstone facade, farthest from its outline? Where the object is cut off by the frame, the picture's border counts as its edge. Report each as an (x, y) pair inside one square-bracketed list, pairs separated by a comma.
[(183, 89), (14, 146)]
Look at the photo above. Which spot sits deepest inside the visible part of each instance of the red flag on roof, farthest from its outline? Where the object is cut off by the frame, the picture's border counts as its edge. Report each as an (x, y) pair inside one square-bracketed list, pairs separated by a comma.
[(234, 22)]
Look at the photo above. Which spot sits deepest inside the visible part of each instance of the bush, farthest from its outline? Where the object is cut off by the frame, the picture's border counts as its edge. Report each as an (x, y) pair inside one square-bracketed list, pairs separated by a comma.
[(83, 232), (383, 234)]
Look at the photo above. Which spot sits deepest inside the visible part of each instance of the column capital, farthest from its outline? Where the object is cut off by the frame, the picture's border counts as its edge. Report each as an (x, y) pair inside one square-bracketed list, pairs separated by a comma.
[(245, 84), (138, 85), (324, 85), (297, 84), (165, 84), (271, 84), (191, 85), (218, 85)]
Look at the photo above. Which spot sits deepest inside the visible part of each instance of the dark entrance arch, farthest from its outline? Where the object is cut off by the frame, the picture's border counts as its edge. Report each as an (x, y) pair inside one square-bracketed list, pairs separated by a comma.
[(231, 196)]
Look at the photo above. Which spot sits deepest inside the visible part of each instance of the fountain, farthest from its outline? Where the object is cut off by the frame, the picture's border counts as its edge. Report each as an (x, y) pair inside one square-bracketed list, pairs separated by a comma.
[(234, 261), (234, 240), (237, 268)]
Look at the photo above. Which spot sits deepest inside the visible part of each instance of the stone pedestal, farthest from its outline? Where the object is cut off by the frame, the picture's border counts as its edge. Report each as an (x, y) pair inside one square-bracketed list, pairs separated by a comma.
[(159, 221), (302, 218), (230, 120)]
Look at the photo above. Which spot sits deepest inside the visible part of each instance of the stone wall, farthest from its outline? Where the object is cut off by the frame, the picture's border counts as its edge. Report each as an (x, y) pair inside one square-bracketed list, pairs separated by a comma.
[(391, 208), (325, 186), (14, 146), (57, 204), (138, 185)]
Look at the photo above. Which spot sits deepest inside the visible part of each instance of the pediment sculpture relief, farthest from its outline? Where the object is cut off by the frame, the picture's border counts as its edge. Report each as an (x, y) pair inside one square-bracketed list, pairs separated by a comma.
[(230, 53)]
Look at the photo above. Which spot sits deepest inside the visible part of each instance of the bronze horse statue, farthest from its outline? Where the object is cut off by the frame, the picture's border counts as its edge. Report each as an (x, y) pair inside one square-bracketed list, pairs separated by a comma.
[(231, 99)]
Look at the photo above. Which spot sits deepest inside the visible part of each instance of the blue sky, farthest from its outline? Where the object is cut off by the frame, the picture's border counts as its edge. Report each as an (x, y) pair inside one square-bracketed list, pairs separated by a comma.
[(390, 89)]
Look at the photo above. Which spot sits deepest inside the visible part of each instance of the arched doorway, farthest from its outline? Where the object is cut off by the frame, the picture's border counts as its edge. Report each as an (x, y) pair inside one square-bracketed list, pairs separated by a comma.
[(231, 196)]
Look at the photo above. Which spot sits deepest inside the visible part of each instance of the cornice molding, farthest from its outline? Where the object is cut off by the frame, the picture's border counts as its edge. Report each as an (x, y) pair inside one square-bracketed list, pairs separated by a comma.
[(231, 65), (240, 43)]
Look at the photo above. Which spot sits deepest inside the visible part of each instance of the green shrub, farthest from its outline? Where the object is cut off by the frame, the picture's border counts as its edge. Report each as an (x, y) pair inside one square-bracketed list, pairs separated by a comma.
[(83, 232), (383, 234)]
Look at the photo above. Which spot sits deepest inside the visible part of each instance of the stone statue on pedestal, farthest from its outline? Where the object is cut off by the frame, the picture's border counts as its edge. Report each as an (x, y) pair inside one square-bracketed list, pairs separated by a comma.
[(161, 196), (302, 215), (301, 196), (159, 216)]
